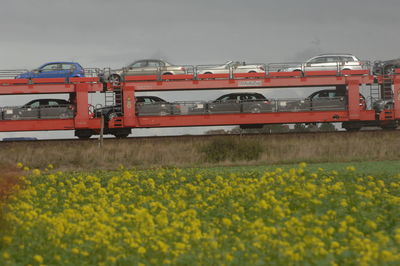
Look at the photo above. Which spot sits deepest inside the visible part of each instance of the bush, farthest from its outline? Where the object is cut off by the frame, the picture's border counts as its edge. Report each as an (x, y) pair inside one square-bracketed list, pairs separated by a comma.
[(222, 149)]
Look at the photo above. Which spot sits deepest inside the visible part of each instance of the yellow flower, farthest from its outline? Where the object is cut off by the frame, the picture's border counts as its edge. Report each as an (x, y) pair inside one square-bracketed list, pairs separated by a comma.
[(302, 165), (6, 255), (226, 222), (7, 240), (75, 251), (50, 166), (20, 165), (141, 250), (36, 172), (38, 258), (371, 224)]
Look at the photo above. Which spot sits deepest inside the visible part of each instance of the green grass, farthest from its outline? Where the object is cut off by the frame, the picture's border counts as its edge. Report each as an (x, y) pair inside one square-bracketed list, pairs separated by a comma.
[(366, 168)]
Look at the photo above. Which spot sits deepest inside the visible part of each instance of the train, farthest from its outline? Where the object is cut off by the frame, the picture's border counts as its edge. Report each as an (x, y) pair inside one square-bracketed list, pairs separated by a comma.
[(339, 101)]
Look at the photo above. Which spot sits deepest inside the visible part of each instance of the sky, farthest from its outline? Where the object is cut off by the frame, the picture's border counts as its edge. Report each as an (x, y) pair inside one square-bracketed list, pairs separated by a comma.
[(100, 33)]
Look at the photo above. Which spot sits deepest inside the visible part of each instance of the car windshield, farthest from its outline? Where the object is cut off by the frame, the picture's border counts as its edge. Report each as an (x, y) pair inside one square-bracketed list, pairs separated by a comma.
[(33, 104)]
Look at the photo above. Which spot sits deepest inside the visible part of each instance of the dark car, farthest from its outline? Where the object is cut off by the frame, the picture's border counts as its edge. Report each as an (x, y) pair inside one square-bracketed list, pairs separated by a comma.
[(385, 67), (323, 100), (55, 70), (145, 105), (243, 102), (40, 109)]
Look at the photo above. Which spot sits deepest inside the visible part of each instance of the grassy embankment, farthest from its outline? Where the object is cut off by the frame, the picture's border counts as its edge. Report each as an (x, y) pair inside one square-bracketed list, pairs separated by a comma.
[(190, 152)]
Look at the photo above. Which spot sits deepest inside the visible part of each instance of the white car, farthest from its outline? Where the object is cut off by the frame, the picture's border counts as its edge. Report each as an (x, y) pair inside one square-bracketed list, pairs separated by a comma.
[(231, 67), (336, 62)]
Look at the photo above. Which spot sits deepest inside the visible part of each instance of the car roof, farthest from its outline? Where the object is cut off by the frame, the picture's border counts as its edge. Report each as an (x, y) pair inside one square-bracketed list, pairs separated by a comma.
[(61, 62), (336, 54), (242, 93), (50, 99)]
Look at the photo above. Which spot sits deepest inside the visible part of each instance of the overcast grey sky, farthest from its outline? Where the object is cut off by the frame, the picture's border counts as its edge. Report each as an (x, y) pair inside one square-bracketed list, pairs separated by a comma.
[(100, 33)]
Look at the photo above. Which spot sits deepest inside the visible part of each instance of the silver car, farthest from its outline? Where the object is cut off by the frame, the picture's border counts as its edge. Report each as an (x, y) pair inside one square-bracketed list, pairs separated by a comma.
[(323, 100), (145, 105), (141, 68), (336, 62), (231, 67), (40, 109), (242, 102)]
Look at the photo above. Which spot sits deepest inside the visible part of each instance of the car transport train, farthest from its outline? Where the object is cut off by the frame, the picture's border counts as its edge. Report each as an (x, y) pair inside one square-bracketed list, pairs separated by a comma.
[(340, 82)]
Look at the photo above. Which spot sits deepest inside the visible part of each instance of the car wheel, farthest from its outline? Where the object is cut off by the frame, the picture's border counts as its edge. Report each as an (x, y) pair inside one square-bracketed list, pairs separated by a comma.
[(167, 74), (299, 70), (255, 110), (115, 79), (208, 73)]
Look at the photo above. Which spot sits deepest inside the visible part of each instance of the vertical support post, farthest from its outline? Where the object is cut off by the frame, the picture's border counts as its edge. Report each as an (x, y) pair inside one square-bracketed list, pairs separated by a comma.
[(82, 103), (101, 131), (396, 96), (353, 94), (128, 93)]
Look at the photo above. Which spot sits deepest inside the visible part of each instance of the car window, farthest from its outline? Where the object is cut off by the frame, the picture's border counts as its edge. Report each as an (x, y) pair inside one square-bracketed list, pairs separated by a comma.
[(53, 103), (332, 59), (234, 97), (318, 60), (147, 100), (248, 97), (139, 64), (348, 59), (51, 67), (67, 67), (322, 94), (153, 64), (224, 98)]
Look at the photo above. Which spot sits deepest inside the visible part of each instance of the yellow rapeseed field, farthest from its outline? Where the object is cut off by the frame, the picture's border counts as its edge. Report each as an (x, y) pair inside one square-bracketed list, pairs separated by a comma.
[(200, 217)]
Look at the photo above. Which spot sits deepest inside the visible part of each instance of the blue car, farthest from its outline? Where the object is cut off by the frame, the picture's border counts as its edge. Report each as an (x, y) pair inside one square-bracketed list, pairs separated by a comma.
[(55, 70)]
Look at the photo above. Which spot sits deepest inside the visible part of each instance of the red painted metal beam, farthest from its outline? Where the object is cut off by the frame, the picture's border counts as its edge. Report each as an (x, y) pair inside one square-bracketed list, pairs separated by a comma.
[(242, 119), (217, 84), (353, 92), (285, 74), (249, 75), (213, 76), (320, 73), (82, 106), (396, 95), (47, 88), (130, 119), (44, 124), (36, 125)]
